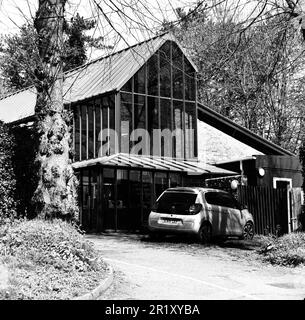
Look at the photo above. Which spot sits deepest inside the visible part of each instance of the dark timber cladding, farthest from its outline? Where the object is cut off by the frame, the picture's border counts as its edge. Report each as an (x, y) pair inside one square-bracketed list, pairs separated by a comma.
[(268, 207)]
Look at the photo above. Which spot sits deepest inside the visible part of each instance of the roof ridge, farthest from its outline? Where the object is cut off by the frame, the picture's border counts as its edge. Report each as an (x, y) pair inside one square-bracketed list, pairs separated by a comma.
[(118, 52), (68, 72)]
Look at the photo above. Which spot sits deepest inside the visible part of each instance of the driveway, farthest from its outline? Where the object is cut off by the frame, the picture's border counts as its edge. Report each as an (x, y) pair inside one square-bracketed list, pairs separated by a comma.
[(181, 269)]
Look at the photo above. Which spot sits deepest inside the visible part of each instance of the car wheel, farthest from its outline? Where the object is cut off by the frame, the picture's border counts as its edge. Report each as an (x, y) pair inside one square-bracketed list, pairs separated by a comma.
[(248, 232), (205, 233)]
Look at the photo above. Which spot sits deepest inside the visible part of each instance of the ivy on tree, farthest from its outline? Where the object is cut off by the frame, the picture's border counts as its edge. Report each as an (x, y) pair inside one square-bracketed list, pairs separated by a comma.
[(56, 193)]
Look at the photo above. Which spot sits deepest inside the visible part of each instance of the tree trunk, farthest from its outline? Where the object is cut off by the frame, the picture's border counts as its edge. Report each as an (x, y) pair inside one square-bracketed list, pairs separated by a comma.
[(55, 195)]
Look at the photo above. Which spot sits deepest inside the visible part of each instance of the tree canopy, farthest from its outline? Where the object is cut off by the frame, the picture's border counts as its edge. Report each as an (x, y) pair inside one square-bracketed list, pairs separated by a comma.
[(19, 56), (252, 75)]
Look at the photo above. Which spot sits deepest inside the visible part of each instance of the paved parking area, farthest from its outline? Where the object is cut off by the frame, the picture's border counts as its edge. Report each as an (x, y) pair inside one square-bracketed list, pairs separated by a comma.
[(178, 268)]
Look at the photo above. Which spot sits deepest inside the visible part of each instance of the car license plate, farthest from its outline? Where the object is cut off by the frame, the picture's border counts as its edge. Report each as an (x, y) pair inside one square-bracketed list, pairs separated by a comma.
[(171, 221)]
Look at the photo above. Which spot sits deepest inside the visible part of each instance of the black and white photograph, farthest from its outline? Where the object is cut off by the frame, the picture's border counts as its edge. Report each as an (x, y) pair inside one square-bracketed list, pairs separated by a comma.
[(152, 153)]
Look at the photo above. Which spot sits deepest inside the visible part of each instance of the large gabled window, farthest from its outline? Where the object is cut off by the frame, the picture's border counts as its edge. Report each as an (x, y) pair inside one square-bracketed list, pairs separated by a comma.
[(162, 95)]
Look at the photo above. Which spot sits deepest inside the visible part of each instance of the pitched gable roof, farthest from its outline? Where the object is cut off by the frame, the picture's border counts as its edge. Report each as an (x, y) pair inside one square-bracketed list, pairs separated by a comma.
[(239, 132), (102, 75)]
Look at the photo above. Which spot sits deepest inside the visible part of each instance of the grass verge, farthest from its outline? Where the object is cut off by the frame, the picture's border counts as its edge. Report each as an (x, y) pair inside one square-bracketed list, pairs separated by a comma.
[(48, 260)]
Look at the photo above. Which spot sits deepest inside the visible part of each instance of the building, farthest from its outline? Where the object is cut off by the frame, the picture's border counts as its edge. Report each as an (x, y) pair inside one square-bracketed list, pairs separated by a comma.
[(135, 131), (268, 170)]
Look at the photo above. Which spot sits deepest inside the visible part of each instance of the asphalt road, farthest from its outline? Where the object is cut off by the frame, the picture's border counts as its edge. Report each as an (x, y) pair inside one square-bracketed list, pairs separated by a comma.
[(182, 269)]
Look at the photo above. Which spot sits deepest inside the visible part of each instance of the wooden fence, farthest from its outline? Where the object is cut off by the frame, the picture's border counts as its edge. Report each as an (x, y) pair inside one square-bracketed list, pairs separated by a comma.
[(269, 208), (295, 201)]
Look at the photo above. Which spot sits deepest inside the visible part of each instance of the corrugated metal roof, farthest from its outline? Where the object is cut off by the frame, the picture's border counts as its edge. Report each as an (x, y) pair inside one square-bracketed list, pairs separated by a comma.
[(102, 75), (18, 106), (152, 163)]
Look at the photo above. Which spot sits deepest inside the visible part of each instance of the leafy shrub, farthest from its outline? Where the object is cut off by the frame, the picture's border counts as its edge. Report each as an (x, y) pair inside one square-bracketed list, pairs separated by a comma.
[(7, 177), (48, 243), (288, 250)]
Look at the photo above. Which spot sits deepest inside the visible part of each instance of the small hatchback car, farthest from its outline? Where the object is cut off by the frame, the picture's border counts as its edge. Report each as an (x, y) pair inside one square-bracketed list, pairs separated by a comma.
[(203, 212)]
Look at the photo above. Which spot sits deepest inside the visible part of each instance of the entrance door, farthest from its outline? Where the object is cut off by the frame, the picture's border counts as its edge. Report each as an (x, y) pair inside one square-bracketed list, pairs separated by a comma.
[(109, 196), (282, 184), (284, 218), (123, 195), (135, 199)]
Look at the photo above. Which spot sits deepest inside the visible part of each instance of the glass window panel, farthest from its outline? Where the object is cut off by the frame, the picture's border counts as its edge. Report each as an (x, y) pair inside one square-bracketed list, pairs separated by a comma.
[(124, 222), (165, 70), (177, 61), (189, 80), (153, 118), (128, 86), (112, 122), (188, 138), (98, 128), (90, 130), (178, 145), (165, 109), (139, 81), (84, 132), (161, 182), (139, 112), (108, 121), (108, 199), (174, 180), (139, 118), (152, 75), (147, 194), (126, 116), (93, 198), (191, 125), (111, 104), (135, 198), (76, 134), (105, 113), (105, 123), (166, 123), (85, 199)]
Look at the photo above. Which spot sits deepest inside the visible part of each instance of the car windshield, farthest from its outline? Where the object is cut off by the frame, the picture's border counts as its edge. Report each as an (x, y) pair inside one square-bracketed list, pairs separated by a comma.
[(176, 202)]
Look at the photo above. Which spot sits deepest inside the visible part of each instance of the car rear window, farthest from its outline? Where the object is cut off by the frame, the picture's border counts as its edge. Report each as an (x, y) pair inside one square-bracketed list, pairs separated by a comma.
[(176, 202)]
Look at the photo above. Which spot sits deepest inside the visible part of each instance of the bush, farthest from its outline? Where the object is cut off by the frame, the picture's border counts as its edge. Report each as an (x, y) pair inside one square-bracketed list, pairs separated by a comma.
[(288, 250), (7, 177), (48, 260), (48, 243)]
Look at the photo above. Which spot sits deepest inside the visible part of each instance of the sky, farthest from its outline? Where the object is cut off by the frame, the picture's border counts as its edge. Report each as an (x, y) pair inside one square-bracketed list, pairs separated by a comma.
[(144, 17)]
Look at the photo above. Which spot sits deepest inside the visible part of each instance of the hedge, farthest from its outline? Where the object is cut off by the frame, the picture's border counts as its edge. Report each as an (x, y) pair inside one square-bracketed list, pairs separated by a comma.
[(7, 176)]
